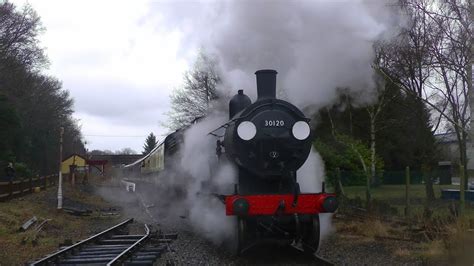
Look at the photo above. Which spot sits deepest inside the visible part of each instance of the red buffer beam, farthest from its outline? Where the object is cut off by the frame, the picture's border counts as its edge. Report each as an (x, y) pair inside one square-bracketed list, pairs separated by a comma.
[(271, 204)]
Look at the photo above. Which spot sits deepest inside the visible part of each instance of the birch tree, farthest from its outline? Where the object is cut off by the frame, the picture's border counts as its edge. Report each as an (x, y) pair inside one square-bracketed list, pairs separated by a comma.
[(194, 99)]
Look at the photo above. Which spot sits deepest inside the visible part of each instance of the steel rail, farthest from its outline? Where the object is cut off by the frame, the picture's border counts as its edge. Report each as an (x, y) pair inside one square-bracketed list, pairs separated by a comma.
[(70, 248), (129, 249)]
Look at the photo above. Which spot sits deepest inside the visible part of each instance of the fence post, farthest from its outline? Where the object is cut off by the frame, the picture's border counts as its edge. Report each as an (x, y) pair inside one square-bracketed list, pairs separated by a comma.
[(20, 186), (407, 191), (461, 189), (336, 182), (10, 185)]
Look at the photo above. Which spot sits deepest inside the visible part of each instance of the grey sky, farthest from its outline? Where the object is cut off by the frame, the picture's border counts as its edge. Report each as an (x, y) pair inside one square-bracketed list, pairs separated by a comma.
[(118, 63)]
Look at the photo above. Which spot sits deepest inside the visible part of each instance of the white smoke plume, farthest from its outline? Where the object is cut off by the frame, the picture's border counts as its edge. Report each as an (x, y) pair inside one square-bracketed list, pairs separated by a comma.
[(206, 212), (310, 177), (316, 46)]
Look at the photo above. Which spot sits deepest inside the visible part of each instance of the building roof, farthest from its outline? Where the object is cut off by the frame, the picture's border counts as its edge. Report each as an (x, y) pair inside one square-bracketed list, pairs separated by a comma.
[(74, 154)]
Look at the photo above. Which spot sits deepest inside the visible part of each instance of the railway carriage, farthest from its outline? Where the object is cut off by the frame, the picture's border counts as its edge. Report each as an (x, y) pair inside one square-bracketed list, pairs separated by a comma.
[(159, 159)]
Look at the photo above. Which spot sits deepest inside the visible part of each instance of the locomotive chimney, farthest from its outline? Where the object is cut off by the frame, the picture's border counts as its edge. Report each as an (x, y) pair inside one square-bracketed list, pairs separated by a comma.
[(266, 84)]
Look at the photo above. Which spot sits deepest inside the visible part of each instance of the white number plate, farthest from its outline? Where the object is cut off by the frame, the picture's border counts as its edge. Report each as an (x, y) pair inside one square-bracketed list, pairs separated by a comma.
[(274, 123)]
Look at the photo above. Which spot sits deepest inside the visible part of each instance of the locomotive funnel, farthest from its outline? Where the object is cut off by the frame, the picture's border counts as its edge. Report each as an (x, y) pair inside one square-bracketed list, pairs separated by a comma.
[(266, 84)]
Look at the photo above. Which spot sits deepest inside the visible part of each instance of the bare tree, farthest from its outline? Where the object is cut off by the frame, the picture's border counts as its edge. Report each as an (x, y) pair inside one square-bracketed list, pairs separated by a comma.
[(442, 59), (414, 62), (452, 51), (374, 111), (194, 98), (125, 151), (19, 32)]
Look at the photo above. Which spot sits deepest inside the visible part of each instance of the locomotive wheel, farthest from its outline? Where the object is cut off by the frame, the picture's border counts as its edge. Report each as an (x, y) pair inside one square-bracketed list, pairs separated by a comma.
[(313, 233)]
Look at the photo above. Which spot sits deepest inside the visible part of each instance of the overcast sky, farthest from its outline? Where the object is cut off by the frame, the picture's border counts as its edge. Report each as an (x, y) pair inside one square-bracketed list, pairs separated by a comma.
[(119, 60)]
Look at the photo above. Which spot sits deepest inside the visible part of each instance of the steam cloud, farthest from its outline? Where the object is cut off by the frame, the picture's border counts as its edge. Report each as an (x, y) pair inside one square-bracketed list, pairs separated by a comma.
[(206, 212), (316, 46)]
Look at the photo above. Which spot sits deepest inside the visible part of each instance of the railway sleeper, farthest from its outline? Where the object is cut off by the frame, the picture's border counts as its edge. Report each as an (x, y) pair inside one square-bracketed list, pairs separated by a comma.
[(146, 257), (126, 236), (86, 260), (140, 253), (87, 255), (104, 247), (139, 263), (117, 241), (98, 252), (103, 257), (160, 249), (88, 264)]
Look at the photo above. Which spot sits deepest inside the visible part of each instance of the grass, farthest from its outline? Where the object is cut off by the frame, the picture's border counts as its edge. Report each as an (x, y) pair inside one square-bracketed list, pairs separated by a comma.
[(455, 242), (18, 248), (369, 229), (395, 196)]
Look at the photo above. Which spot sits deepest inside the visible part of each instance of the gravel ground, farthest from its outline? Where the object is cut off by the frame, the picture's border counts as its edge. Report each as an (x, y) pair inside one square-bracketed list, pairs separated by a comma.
[(193, 249), (356, 250)]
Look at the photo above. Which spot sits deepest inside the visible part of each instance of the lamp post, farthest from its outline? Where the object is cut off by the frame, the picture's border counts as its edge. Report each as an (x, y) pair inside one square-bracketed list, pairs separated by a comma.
[(60, 176)]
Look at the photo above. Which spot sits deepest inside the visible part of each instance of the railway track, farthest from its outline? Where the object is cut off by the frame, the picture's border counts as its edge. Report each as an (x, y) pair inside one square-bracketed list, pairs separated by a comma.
[(113, 246)]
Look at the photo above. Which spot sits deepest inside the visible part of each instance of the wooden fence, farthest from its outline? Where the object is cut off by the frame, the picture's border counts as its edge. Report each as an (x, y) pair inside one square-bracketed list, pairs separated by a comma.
[(18, 188)]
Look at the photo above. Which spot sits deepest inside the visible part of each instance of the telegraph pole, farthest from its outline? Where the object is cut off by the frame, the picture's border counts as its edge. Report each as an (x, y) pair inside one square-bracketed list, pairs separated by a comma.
[(60, 176)]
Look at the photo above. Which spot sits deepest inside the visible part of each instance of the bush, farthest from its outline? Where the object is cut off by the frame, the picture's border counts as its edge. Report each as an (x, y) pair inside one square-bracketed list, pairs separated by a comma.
[(22, 171), (343, 153)]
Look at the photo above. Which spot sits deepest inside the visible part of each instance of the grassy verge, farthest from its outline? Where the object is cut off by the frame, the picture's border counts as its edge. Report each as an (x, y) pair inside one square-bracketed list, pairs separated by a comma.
[(18, 247), (441, 237)]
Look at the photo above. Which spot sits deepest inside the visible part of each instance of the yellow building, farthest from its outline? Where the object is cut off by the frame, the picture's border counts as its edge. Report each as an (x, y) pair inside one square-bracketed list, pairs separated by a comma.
[(74, 159)]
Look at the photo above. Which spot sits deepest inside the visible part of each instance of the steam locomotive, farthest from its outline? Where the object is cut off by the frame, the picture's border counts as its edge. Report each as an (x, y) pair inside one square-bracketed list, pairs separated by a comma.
[(268, 141)]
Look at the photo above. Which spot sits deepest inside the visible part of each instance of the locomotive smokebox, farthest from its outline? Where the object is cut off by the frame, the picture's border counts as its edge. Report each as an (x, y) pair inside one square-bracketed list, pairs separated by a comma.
[(266, 84)]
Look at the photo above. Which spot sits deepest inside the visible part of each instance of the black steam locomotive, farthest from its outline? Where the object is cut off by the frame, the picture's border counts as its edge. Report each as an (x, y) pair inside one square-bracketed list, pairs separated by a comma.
[(268, 141)]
